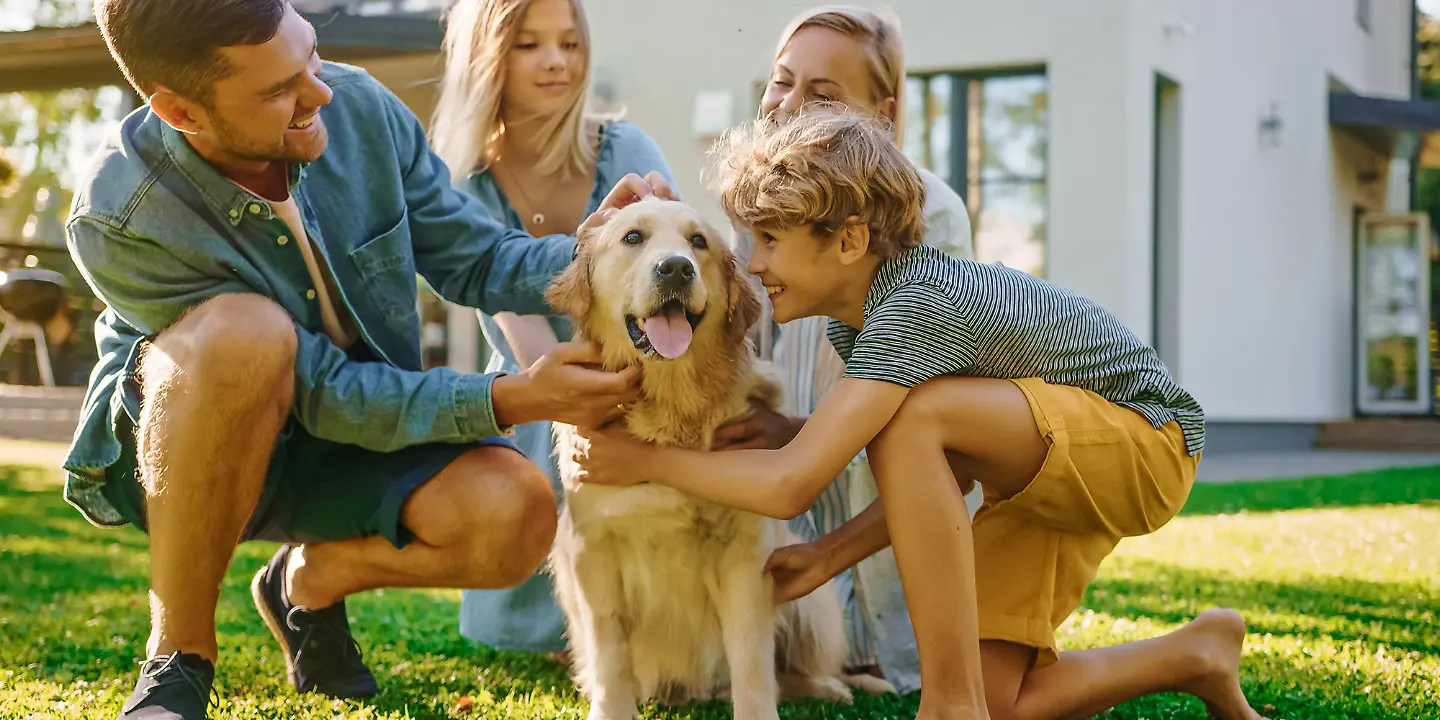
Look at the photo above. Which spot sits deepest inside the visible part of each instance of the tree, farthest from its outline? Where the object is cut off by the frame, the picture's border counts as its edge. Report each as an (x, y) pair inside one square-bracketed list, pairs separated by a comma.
[(45, 138), (46, 132)]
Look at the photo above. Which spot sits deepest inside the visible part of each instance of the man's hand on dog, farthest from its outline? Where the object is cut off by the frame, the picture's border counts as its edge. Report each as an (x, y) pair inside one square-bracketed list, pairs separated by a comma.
[(631, 189), (560, 388), (797, 570)]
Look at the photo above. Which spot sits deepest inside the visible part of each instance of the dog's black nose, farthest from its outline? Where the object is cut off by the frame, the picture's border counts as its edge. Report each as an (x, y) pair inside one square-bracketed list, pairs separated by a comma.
[(675, 271)]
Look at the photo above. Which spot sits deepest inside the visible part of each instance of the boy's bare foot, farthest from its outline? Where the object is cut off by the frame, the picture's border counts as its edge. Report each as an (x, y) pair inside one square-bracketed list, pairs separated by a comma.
[(1216, 637)]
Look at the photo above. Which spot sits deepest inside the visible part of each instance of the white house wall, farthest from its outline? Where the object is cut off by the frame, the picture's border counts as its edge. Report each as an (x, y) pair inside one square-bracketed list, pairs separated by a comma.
[(1266, 293)]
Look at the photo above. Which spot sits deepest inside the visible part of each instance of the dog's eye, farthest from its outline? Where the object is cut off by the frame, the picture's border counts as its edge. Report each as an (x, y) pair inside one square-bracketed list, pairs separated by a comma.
[(634, 238), (698, 242)]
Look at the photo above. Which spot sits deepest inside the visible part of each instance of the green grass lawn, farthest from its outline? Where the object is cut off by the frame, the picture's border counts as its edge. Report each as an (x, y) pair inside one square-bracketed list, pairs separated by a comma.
[(1338, 577)]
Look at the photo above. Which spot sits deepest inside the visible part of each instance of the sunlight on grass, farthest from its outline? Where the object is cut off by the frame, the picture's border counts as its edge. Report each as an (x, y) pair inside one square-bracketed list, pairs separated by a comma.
[(1342, 598)]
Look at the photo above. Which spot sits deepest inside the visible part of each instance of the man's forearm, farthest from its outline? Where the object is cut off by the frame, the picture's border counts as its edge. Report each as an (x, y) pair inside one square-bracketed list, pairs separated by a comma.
[(510, 400), (384, 408)]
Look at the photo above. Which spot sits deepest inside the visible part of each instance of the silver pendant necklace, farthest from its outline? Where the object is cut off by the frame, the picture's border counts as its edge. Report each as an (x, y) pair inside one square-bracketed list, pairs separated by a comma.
[(535, 219)]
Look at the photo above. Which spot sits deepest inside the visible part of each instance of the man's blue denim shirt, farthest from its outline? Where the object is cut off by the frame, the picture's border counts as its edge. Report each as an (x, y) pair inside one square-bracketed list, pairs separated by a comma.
[(155, 230)]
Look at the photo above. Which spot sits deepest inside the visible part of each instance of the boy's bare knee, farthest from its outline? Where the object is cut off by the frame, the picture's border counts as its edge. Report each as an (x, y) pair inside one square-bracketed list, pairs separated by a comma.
[(237, 344), (914, 423), (495, 509)]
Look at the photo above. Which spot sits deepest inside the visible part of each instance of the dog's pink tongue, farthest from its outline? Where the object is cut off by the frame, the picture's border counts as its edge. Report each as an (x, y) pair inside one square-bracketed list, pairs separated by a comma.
[(669, 333)]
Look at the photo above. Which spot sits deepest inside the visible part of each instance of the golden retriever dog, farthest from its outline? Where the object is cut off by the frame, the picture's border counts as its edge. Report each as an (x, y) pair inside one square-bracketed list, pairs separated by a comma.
[(664, 595)]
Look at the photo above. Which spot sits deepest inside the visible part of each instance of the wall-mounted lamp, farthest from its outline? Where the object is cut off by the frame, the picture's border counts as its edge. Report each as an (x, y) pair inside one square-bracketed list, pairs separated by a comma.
[(1271, 125), (1174, 27)]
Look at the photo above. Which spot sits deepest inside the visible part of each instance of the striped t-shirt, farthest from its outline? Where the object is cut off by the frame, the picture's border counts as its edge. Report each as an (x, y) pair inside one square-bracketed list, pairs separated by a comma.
[(929, 314)]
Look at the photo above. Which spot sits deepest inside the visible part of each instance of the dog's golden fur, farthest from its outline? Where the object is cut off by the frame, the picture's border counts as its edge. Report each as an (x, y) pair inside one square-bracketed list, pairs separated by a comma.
[(664, 595)]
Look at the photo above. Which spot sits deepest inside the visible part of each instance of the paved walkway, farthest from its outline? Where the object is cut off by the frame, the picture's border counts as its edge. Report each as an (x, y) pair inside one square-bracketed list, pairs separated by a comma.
[(1241, 466), (1218, 467)]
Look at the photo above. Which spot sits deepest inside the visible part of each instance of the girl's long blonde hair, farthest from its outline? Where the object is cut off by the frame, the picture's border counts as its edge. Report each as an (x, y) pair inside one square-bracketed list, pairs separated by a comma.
[(467, 128), (879, 31)]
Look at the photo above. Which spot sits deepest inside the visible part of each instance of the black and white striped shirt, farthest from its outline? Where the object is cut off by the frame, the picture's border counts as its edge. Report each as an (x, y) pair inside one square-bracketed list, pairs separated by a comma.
[(929, 314)]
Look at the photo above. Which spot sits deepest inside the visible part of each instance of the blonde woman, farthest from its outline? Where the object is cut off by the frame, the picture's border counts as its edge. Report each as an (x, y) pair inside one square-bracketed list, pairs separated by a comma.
[(513, 124), (853, 56)]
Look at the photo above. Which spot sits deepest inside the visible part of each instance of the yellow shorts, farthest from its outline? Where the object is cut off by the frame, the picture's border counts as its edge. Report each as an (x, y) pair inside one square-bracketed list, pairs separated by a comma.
[(1108, 473)]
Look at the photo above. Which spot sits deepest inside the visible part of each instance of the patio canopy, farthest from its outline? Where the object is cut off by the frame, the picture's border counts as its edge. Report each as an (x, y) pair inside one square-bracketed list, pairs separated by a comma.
[(59, 58), (1379, 122)]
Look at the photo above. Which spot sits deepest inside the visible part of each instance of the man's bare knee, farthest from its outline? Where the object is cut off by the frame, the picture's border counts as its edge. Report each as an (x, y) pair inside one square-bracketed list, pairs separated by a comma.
[(239, 344), (494, 508)]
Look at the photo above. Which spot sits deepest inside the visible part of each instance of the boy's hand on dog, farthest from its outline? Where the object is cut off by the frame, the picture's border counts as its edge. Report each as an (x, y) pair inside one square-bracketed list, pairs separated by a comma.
[(797, 570), (560, 388)]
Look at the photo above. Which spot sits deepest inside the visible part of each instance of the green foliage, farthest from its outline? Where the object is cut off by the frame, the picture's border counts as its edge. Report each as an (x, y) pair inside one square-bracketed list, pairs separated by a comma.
[(47, 133)]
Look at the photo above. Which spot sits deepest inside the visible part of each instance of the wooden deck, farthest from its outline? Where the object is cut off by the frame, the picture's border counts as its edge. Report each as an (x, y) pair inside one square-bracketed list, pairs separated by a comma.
[(1384, 435)]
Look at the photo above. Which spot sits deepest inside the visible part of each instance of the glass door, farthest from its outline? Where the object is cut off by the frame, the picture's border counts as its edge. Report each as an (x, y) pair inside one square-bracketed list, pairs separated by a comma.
[(1394, 343)]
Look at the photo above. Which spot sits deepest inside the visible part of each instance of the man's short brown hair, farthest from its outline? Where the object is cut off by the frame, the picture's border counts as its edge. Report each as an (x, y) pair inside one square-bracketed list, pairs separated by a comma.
[(823, 169), (176, 43)]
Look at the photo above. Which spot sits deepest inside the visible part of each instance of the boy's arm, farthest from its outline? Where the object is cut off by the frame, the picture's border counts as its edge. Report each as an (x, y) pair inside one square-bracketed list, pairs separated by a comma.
[(916, 333), (776, 483)]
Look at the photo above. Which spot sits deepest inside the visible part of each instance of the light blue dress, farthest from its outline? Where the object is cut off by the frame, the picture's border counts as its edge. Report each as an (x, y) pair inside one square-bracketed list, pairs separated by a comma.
[(526, 617)]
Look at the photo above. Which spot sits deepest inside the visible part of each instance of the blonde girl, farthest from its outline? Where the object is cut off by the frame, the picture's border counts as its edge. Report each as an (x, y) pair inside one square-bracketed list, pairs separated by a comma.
[(514, 125)]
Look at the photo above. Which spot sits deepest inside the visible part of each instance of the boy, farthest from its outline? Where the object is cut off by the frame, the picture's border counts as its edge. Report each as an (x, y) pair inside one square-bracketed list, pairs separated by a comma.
[(955, 370)]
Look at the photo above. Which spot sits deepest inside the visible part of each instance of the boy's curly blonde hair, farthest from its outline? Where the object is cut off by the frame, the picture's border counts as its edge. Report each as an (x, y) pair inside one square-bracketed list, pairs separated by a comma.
[(823, 169)]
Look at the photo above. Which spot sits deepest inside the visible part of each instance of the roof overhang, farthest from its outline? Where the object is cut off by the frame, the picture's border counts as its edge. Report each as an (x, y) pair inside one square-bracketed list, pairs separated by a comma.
[(1384, 124), (58, 58)]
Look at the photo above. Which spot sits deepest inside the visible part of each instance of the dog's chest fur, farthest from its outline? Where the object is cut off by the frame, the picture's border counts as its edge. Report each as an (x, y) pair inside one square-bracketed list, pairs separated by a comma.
[(668, 550), (681, 405)]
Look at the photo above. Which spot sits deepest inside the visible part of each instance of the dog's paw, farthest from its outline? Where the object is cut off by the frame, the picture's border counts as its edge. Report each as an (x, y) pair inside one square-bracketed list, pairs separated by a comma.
[(870, 684), (829, 689), (599, 712)]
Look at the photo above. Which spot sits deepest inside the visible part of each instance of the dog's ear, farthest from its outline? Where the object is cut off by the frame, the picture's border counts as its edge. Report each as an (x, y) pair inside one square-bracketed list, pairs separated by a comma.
[(744, 310), (569, 292)]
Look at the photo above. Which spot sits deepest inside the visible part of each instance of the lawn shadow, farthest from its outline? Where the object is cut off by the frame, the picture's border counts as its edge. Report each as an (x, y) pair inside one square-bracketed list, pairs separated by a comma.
[(1398, 615), (1380, 487), (1397, 620)]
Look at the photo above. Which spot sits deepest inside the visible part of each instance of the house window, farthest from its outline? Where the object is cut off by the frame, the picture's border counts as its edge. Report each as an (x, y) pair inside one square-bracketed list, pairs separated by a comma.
[(987, 136)]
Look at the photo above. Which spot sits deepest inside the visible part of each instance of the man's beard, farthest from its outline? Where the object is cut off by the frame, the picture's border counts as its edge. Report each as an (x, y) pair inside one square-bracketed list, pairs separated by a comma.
[(234, 143)]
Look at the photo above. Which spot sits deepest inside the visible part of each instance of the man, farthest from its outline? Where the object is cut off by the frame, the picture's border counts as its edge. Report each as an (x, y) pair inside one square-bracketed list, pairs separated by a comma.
[(255, 232)]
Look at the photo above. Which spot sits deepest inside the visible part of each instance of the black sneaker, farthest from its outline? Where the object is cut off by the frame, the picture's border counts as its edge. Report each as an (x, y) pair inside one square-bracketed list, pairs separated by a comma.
[(320, 654), (171, 687)]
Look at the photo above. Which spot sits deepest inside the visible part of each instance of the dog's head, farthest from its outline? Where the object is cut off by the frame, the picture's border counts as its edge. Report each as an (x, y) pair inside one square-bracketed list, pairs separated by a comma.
[(657, 282)]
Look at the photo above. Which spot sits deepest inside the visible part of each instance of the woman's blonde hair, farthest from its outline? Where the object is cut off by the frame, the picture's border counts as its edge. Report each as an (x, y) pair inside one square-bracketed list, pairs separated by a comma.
[(879, 31), (467, 128)]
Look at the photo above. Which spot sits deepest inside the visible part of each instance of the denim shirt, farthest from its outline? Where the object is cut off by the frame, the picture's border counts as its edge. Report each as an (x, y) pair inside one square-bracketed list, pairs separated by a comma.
[(155, 230)]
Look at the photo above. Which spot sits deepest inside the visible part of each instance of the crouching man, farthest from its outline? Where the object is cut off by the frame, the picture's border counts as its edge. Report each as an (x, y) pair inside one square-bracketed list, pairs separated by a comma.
[(255, 231)]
